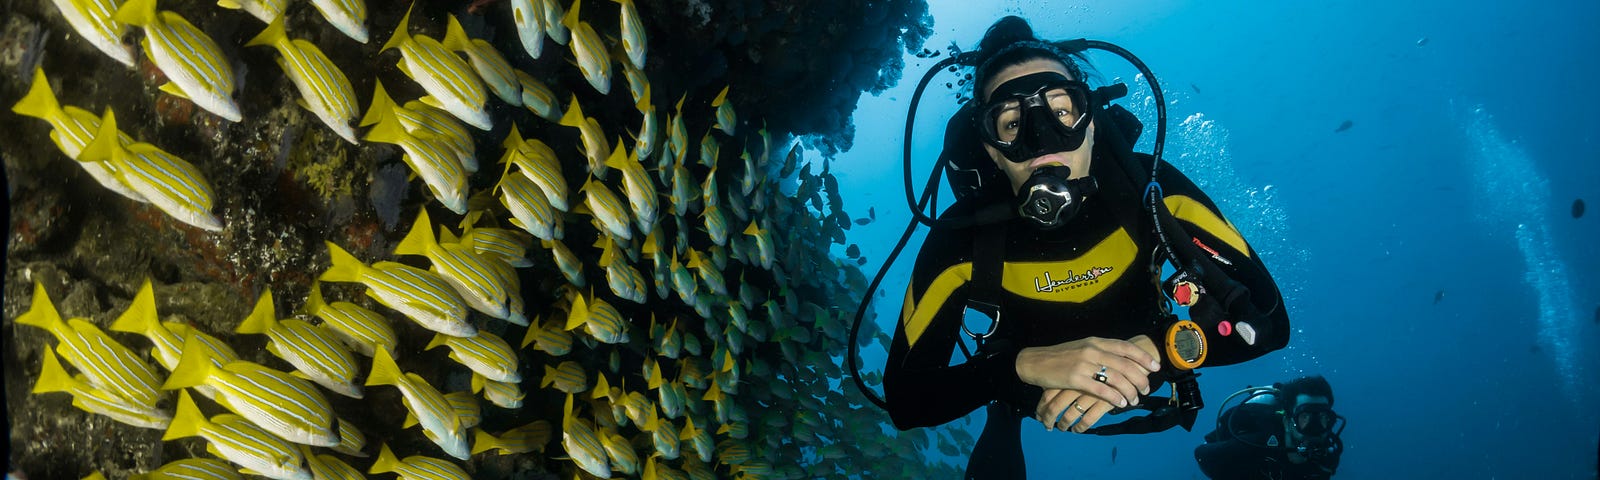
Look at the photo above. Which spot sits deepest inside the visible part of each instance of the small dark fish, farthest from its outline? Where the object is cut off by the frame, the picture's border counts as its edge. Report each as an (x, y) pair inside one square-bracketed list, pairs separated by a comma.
[(1577, 208), (1597, 315), (1534, 349), (1113, 455), (1422, 42), (1344, 126), (872, 214), (1196, 90), (853, 251), (861, 261), (1438, 296)]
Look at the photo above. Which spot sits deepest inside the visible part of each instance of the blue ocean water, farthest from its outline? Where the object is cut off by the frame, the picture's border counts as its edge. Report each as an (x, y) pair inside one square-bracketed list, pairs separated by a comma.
[(1432, 269)]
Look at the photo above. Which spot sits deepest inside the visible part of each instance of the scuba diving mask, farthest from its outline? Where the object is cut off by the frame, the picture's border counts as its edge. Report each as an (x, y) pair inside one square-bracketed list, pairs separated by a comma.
[(1035, 114), (1314, 419)]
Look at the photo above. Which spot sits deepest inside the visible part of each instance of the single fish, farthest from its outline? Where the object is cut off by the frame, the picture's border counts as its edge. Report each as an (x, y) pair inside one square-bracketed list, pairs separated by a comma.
[(623, 459), (485, 354), (166, 181), (54, 378), (710, 149), (550, 339), (528, 16), (365, 331), (1577, 208), (349, 16), (429, 408), (649, 139), (417, 467), (524, 439), (638, 84), (432, 160), (589, 51), (502, 394), (570, 266), (595, 146), (1344, 126), (191, 469), (486, 284), (599, 319), (509, 246), (530, 208), (449, 80), (491, 66), (625, 281), (421, 295), (287, 406), (607, 209), (709, 274), (677, 135), (639, 188), (568, 377), (699, 439), (633, 34), (582, 444), (324, 90), (190, 59), (315, 352), (663, 434), (727, 120), (92, 19), (1438, 297), (237, 439), (108, 365), (716, 224), (537, 97), (684, 190)]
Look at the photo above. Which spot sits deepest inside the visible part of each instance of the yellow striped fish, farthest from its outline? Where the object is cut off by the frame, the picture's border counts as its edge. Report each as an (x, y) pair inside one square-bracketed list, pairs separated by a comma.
[(92, 19), (537, 97), (524, 439), (752, 174), (708, 273), (421, 295), (607, 209), (329, 467), (510, 246), (683, 190), (710, 149), (641, 191), (351, 441), (590, 52), (677, 135), (699, 439), (191, 469), (315, 352), (530, 208), (568, 263), (265, 10), (485, 354), (539, 163), (425, 122), (502, 394), (638, 84), (168, 337), (726, 119), (447, 78), (349, 16), (663, 434), (72, 129), (716, 224), (672, 398), (657, 471), (438, 419), (417, 467), (583, 444), (191, 60), (683, 280), (465, 406), (107, 364), (528, 16), (738, 430), (668, 342), (649, 131), (486, 284), (287, 406), (633, 35), (623, 459), (730, 452), (600, 320), (553, 13), (625, 281), (362, 330), (324, 90), (569, 377), (763, 244), (54, 378), (240, 441), (550, 339), (168, 182), (595, 146), (490, 65), (432, 160)]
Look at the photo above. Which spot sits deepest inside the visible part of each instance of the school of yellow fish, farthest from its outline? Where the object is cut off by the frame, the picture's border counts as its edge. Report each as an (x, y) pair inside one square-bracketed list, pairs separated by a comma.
[(701, 343)]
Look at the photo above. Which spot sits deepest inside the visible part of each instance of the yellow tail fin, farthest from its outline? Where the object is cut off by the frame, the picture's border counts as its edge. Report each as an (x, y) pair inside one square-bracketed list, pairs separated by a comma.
[(384, 371), (273, 36), (438, 340), (52, 377), (314, 303), (43, 313), (263, 318), (419, 239), (578, 313), (141, 315), (345, 268), (136, 12), (482, 441), (382, 105), (193, 367), (188, 421), (40, 102), (574, 114), (386, 462), (455, 38), (388, 130), (400, 36)]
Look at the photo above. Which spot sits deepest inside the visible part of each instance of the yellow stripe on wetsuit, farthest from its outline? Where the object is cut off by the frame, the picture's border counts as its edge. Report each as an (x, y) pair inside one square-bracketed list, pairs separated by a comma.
[(1196, 213)]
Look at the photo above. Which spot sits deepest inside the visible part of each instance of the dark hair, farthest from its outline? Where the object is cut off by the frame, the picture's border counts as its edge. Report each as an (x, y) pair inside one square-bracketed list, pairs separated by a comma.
[(1313, 385), (1010, 41)]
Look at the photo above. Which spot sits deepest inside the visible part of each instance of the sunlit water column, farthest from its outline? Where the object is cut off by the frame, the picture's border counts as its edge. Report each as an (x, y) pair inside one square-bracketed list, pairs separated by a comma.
[(1503, 170)]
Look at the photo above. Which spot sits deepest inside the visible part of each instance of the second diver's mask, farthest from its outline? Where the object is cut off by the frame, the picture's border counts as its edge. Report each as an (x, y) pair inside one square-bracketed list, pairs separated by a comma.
[(1319, 427)]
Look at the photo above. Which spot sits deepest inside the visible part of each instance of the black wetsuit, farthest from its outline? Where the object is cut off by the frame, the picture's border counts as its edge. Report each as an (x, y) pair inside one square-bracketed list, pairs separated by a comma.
[(1091, 278), (1250, 445)]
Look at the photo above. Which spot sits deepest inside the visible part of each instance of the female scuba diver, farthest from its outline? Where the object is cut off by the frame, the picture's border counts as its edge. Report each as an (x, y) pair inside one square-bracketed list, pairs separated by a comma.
[(1070, 276)]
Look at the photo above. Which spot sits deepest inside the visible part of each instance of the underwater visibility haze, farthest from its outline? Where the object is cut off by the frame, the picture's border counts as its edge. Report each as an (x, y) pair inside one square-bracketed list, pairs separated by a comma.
[(545, 239)]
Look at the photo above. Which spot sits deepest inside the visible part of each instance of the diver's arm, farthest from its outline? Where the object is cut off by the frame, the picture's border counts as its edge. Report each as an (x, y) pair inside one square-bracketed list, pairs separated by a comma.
[(1203, 221), (921, 386)]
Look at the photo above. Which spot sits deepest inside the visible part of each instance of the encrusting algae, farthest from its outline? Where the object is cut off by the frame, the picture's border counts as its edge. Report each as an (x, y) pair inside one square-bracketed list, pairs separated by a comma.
[(692, 339)]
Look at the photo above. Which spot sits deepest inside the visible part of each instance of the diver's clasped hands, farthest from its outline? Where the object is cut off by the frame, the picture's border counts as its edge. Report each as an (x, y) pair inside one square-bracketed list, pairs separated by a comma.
[(1085, 379)]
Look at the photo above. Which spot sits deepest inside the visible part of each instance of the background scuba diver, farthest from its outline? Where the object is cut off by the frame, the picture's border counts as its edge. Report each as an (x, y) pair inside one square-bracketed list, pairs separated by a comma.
[(1285, 432), (1078, 306)]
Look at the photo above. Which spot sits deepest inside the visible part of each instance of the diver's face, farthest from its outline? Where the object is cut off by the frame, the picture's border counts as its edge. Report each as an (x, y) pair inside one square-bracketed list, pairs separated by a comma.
[(1304, 419), (1018, 173)]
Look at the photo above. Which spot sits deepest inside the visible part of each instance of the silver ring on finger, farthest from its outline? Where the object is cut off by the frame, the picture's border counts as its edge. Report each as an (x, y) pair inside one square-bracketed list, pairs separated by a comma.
[(1100, 376)]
